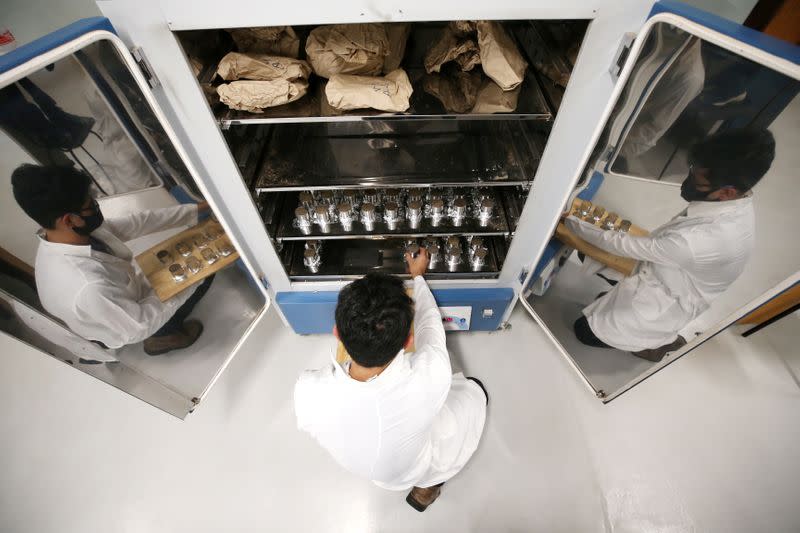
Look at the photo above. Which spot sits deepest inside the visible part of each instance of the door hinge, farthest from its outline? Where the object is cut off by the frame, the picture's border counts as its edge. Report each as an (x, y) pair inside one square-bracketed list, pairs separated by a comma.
[(522, 275), (622, 55), (145, 67)]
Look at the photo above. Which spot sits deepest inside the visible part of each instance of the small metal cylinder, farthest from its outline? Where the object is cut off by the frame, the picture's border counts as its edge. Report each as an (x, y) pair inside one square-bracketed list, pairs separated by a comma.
[(414, 213), (302, 219), (164, 257), (327, 197), (413, 249), (486, 211), (584, 209), (351, 196), (414, 195), (322, 217), (313, 245), (610, 222), (391, 214), (306, 199), (434, 253), (209, 256), (597, 214), (453, 242), (193, 264), (478, 259), (624, 226), (437, 211), (346, 215), (184, 248), (225, 248), (312, 260), (392, 195), (475, 243), (371, 196), (368, 215), (459, 211), (177, 272), (453, 258)]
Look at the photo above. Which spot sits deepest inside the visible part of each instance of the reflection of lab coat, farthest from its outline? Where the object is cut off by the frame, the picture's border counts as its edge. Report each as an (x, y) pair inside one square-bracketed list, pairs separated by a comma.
[(127, 169), (686, 264), (414, 424), (105, 297), (681, 84)]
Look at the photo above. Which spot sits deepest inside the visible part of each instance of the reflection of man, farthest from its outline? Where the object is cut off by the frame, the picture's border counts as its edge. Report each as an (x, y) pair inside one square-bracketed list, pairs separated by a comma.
[(85, 275), (401, 419), (689, 261)]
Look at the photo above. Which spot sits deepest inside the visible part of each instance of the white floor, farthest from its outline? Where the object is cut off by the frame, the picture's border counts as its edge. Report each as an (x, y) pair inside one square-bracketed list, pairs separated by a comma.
[(709, 444)]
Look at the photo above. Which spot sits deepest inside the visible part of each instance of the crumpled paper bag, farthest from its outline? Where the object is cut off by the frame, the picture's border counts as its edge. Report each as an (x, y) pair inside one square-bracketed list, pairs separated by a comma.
[(500, 57), (397, 33), (451, 47), (347, 49), (457, 92), (236, 66), (389, 93), (464, 28), (276, 40), (257, 95), (492, 99)]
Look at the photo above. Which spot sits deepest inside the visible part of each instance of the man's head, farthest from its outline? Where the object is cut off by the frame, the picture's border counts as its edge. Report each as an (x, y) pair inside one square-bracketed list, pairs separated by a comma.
[(727, 165), (373, 319), (57, 198)]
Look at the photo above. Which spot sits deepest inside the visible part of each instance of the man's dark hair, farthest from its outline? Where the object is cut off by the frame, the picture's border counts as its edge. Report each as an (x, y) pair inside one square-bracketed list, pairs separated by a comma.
[(374, 316), (737, 158), (48, 192)]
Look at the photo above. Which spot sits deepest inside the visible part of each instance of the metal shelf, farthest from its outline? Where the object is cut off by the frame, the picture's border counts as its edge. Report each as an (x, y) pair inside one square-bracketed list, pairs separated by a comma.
[(351, 259), (288, 231), (398, 154), (532, 105)]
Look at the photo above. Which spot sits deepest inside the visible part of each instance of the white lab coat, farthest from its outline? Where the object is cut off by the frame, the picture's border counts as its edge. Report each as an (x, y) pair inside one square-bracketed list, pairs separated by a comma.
[(685, 265), (680, 84), (106, 297), (415, 424)]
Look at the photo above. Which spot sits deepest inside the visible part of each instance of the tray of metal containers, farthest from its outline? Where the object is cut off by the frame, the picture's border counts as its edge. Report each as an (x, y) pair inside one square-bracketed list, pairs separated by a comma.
[(186, 258)]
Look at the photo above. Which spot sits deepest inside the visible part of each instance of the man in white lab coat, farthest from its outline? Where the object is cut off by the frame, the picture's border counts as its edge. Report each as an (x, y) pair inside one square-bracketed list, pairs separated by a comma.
[(85, 274), (400, 419), (689, 261)]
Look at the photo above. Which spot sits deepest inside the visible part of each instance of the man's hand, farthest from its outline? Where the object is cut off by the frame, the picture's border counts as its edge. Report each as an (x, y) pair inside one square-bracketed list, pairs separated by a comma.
[(203, 207), (418, 265)]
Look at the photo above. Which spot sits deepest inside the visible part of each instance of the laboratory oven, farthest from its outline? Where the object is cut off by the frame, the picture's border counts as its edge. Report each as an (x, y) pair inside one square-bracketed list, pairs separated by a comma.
[(313, 196)]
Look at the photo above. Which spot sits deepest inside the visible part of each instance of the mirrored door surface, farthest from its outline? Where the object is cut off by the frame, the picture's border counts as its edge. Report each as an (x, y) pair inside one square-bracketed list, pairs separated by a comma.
[(686, 214), (94, 194)]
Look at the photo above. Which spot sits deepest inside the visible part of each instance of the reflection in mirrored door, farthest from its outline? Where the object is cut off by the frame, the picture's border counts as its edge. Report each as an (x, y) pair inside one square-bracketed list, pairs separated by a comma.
[(111, 259), (685, 215)]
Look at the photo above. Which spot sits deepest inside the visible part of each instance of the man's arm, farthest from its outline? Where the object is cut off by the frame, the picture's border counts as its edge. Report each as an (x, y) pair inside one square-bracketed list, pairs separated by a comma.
[(669, 249), (126, 321), (145, 222), (429, 336)]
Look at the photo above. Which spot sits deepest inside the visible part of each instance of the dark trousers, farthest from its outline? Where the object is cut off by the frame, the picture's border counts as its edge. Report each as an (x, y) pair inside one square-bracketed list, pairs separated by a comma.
[(585, 334), (175, 324)]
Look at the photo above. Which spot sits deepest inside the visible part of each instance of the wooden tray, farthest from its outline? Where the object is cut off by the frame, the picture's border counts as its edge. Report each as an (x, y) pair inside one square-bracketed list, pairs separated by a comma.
[(158, 274)]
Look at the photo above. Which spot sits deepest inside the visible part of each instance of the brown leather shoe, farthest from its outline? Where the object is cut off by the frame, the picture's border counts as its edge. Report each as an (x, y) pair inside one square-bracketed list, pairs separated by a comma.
[(657, 354), (420, 498), (190, 331)]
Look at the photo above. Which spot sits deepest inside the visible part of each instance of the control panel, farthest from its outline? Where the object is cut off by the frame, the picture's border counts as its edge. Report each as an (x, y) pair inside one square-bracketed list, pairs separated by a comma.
[(456, 318)]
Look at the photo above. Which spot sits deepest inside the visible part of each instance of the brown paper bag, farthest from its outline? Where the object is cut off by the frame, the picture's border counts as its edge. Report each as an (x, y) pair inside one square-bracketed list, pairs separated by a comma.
[(277, 40), (347, 49), (464, 28), (452, 48), (257, 95), (389, 93), (492, 99), (457, 91), (397, 33), (500, 58), (236, 66)]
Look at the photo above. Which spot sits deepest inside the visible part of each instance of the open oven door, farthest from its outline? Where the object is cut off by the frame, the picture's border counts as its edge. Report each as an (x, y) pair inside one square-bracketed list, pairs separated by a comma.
[(693, 84), (78, 98)]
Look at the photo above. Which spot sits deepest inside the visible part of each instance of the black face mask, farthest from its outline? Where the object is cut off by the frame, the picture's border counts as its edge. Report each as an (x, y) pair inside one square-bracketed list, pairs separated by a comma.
[(91, 222)]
